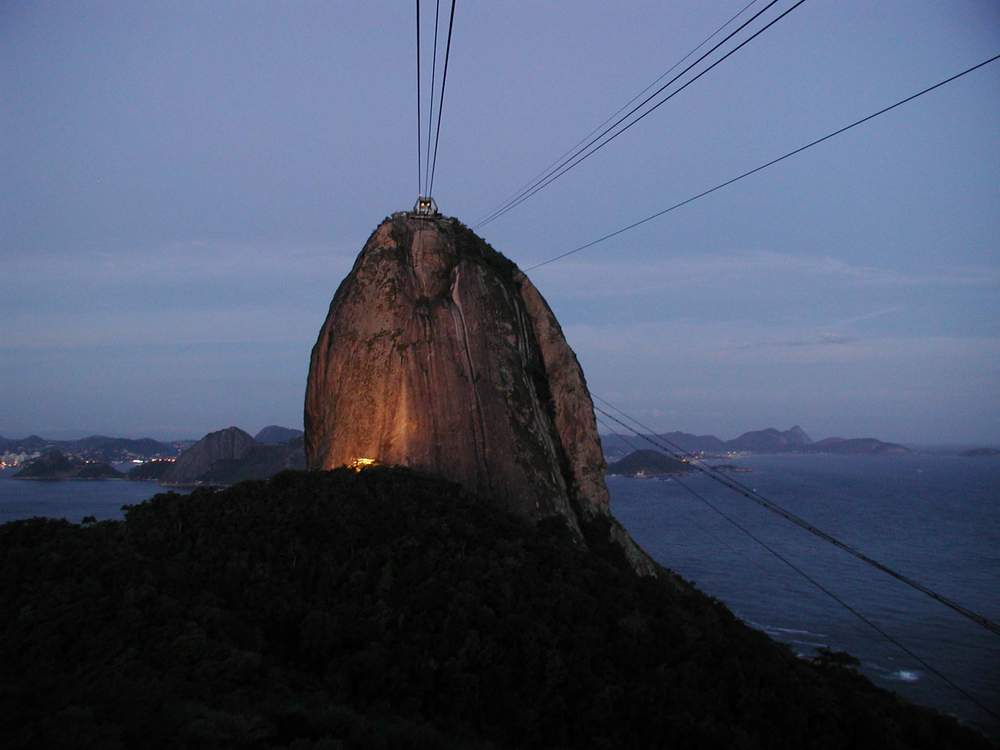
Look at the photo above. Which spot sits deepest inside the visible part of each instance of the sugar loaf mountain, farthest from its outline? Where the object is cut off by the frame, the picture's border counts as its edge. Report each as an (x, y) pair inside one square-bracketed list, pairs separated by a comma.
[(439, 354), (447, 574)]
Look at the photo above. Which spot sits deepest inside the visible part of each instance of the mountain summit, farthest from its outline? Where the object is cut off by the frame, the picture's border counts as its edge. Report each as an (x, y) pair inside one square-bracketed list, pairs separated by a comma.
[(440, 355)]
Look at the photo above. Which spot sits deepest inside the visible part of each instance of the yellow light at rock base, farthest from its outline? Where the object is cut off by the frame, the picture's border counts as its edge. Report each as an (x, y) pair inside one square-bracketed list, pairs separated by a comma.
[(362, 463)]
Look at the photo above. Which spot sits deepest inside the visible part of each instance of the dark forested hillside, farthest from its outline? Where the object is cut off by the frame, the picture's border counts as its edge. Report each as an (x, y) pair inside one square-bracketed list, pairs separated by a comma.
[(648, 463), (389, 610), (54, 465)]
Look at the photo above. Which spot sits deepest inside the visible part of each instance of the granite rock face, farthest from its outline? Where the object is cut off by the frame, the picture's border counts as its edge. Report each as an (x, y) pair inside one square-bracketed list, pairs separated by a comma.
[(230, 443), (439, 354)]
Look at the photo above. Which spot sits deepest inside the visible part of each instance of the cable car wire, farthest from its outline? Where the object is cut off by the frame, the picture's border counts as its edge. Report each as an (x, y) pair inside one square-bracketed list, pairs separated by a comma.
[(609, 118), (567, 167), (870, 623), (764, 166), (704, 529), (430, 113), (687, 457), (444, 81), (676, 452), (420, 167), (971, 698)]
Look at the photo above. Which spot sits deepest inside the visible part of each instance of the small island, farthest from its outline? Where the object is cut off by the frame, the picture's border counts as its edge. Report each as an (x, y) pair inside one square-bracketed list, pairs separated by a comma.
[(54, 465), (980, 452), (646, 463)]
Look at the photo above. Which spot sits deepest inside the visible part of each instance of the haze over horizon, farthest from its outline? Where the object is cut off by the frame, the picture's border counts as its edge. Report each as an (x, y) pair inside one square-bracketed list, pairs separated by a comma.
[(186, 185)]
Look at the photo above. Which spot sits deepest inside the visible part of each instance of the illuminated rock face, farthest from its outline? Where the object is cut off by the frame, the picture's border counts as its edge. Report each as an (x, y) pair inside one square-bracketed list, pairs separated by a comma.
[(439, 354)]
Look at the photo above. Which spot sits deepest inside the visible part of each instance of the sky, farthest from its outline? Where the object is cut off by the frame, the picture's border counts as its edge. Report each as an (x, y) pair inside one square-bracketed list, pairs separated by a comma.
[(183, 186)]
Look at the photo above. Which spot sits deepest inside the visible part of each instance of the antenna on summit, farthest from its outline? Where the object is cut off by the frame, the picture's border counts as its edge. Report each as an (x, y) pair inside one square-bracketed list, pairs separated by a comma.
[(425, 208)]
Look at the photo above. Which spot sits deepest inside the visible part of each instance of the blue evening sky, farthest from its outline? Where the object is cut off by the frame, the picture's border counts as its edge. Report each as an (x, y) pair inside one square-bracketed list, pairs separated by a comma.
[(184, 184)]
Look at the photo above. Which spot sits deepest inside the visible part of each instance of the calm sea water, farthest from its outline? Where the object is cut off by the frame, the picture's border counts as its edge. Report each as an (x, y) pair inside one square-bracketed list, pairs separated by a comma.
[(72, 500), (934, 518)]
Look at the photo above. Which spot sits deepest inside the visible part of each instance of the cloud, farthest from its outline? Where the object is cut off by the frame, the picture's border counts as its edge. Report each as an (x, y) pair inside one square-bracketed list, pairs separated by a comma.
[(157, 329), (610, 277), (728, 378), (686, 346), (197, 259), (867, 316)]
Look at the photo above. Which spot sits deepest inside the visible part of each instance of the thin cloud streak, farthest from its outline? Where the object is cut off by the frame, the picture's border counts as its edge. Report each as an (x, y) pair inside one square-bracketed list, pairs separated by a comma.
[(191, 260), (612, 278)]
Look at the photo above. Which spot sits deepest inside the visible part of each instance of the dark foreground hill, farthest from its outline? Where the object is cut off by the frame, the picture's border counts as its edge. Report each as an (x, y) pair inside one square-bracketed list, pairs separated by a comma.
[(389, 610)]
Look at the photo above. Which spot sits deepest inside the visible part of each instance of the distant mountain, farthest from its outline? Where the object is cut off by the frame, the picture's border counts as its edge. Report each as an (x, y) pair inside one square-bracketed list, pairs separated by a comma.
[(857, 446), (276, 435), (227, 457), (695, 443), (151, 471), (98, 471), (50, 465), (647, 463), (258, 462), (30, 443), (614, 447), (114, 448), (192, 464), (770, 441), (54, 464), (94, 447), (980, 452)]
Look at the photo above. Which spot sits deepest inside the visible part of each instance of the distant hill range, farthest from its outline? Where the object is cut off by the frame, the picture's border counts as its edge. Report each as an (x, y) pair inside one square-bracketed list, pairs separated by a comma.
[(54, 464), (220, 458), (770, 440), (979, 452), (277, 435), (643, 463), (231, 455), (93, 448)]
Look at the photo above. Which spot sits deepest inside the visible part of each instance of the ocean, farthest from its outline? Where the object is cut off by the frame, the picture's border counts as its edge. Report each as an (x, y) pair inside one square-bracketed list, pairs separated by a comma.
[(934, 518), (73, 500)]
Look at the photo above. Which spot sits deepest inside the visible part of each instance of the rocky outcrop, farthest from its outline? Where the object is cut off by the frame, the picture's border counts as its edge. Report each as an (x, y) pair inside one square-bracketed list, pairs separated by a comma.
[(192, 464), (439, 354), (857, 447), (646, 463), (771, 441), (151, 471), (258, 462), (276, 435), (53, 464)]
